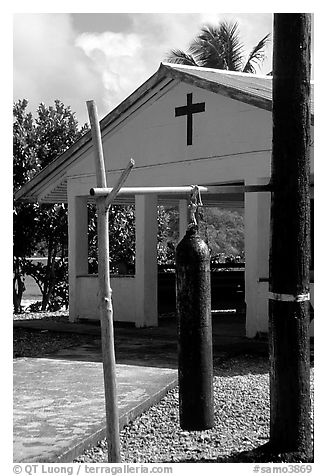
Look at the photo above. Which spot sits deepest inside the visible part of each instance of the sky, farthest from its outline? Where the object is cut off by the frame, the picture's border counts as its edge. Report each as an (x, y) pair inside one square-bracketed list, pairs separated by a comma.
[(76, 57)]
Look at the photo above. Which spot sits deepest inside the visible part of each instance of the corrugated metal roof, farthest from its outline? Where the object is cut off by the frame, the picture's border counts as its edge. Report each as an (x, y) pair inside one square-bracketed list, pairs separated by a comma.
[(254, 85), (247, 83)]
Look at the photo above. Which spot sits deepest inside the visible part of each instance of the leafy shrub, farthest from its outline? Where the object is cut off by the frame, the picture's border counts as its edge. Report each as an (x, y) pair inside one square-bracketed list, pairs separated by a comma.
[(35, 306)]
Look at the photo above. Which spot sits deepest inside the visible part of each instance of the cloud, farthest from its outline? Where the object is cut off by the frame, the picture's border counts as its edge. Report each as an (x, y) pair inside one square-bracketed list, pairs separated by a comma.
[(53, 60), (124, 60), (165, 31), (48, 66), (115, 58)]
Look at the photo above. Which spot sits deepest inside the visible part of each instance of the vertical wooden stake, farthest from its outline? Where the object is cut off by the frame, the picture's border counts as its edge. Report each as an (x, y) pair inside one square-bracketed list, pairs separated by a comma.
[(105, 303)]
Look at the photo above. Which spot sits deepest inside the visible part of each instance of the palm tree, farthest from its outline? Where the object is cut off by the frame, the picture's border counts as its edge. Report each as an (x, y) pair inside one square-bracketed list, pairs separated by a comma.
[(220, 47)]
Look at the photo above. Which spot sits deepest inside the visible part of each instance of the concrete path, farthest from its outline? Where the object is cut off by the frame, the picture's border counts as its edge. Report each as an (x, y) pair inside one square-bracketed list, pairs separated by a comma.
[(59, 399), (59, 402)]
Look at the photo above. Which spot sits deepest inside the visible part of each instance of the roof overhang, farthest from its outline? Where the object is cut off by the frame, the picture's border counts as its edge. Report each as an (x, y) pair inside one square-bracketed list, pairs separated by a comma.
[(233, 85), (31, 189)]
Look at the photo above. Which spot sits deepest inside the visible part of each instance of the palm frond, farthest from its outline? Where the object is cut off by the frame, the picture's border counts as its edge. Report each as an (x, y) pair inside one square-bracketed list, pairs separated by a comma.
[(180, 57), (257, 55), (208, 49), (230, 36), (220, 47)]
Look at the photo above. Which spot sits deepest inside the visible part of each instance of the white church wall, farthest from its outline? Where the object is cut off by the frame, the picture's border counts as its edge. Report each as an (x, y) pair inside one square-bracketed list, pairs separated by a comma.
[(155, 137), (123, 298), (208, 171), (77, 247), (257, 242)]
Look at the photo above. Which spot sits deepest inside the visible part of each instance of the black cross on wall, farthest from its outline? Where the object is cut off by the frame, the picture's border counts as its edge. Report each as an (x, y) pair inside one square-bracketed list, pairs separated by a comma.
[(188, 111)]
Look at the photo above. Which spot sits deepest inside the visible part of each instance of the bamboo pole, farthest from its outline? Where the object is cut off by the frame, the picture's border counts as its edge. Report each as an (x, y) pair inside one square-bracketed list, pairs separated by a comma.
[(105, 302), (115, 190)]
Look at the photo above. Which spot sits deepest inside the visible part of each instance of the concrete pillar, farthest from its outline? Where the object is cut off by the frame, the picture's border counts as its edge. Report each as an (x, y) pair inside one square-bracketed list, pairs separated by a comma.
[(146, 269), (77, 248), (183, 217), (257, 236)]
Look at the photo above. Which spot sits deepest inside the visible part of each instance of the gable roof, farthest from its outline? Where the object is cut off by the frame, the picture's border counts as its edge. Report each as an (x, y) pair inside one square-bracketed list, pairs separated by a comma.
[(248, 88), (244, 87)]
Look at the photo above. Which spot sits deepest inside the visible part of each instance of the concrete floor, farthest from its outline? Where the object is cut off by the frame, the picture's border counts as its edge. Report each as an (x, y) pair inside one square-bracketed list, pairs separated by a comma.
[(59, 403), (59, 399)]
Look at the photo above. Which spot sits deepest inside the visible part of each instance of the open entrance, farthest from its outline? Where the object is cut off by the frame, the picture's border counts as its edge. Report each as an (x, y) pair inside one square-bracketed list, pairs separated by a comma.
[(221, 220), (223, 231)]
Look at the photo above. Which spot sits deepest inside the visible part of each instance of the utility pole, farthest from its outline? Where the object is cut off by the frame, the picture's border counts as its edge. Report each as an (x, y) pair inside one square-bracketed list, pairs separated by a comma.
[(289, 342)]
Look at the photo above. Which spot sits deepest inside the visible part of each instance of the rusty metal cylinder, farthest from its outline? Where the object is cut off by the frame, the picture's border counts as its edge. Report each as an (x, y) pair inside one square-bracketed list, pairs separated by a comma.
[(195, 364)]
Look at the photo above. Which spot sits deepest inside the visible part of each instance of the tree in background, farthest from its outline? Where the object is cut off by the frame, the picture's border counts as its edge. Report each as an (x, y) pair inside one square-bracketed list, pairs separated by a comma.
[(56, 129), (121, 238), (223, 230), (25, 165), (168, 234), (220, 47), (41, 228)]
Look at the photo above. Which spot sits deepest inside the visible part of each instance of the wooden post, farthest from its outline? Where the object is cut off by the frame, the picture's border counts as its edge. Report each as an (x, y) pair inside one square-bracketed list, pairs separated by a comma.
[(290, 423), (105, 302), (112, 195)]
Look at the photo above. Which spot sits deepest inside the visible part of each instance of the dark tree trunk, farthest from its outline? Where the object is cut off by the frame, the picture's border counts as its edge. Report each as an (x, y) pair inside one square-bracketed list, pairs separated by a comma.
[(18, 289), (290, 422), (50, 277)]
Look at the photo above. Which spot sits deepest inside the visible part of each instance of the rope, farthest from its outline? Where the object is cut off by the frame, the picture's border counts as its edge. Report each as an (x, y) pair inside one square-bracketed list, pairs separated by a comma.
[(195, 203)]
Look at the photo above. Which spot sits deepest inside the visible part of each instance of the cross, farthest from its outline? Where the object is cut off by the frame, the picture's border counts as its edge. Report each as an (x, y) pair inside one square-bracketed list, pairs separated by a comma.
[(188, 111)]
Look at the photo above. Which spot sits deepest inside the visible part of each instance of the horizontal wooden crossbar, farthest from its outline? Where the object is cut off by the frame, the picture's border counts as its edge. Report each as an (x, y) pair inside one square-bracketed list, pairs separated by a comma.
[(184, 190)]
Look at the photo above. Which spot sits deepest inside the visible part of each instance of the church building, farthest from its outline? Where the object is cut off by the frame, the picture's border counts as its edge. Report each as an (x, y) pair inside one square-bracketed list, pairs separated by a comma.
[(184, 126)]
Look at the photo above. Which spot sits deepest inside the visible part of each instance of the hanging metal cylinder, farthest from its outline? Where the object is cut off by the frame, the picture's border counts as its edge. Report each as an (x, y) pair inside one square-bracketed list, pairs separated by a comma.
[(195, 365)]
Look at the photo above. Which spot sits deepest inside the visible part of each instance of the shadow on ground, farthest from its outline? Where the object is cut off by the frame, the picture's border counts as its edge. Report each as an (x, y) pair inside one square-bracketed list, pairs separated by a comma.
[(153, 347), (261, 454)]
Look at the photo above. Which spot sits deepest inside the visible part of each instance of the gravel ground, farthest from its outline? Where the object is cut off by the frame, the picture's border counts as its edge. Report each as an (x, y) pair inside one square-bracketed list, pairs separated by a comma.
[(241, 398), (34, 343), (59, 316)]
